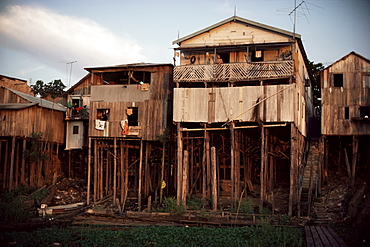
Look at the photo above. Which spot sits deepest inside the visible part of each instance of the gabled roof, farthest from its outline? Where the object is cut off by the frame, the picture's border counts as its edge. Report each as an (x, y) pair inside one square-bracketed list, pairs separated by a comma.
[(346, 56), (36, 101), (71, 89), (240, 20)]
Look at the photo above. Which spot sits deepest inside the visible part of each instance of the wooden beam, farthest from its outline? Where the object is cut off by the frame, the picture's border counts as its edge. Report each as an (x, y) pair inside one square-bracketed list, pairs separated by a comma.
[(179, 164), (140, 174), (185, 177), (115, 172), (232, 157), (11, 169), (23, 161), (88, 173), (214, 178), (95, 170)]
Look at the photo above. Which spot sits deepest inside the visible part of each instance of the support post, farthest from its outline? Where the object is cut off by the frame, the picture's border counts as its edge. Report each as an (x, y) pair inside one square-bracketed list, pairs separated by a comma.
[(95, 170), (214, 178), (232, 156), (115, 171), (140, 174), (88, 173), (179, 164), (23, 162), (185, 177), (11, 169)]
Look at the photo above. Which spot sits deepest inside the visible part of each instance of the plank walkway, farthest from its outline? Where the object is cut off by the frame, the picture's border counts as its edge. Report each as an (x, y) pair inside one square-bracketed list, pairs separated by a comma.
[(322, 236)]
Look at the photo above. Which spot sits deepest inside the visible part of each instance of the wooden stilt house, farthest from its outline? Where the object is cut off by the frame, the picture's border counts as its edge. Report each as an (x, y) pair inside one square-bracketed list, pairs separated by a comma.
[(130, 110), (345, 121), (242, 102), (31, 136)]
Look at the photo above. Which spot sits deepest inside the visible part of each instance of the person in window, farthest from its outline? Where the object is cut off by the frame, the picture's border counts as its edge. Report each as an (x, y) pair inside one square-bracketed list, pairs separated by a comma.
[(219, 60)]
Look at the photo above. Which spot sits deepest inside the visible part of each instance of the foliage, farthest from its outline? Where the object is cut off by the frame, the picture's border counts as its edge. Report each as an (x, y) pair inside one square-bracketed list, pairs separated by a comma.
[(170, 206), (161, 236), (55, 89), (165, 137), (246, 207), (194, 202), (35, 152), (15, 206)]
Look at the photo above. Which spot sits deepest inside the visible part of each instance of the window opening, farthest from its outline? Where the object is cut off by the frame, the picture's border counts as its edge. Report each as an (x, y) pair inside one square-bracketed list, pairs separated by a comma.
[(346, 112), (338, 80), (103, 114), (365, 111), (257, 56), (133, 116), (75, 129)]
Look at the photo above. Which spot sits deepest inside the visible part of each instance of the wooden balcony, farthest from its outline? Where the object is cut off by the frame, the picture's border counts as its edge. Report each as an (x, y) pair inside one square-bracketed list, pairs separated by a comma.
[(233, 71)]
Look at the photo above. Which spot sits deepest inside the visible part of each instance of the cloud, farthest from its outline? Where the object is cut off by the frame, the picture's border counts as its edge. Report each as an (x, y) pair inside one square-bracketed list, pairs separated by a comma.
[(53, 37)]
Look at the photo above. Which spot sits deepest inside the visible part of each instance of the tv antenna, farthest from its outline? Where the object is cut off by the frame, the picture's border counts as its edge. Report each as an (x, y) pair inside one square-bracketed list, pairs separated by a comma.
[(70, 64), (299, 10)]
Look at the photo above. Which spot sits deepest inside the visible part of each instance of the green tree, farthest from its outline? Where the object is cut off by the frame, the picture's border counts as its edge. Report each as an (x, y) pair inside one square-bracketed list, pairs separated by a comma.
[(54, 88)]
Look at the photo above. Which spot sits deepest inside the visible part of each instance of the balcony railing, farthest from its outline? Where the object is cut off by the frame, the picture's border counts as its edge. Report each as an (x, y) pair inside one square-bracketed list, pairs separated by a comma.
[(233, 71)]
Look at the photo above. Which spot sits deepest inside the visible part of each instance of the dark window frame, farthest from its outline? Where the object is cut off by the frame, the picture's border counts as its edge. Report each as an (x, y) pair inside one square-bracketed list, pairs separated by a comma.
[(338, 80)]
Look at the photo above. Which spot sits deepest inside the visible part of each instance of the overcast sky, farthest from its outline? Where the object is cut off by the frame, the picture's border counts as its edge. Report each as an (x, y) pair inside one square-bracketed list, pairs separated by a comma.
[(45, 39)]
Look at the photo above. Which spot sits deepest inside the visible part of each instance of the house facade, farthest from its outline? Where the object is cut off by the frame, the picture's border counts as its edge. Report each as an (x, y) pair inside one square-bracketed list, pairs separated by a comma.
[(242, 104), (32, 136), (345, 121), (130, 109)]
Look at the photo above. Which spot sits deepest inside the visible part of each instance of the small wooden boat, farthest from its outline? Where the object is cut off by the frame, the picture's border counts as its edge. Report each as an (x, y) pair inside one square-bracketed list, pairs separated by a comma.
[(67, 209)]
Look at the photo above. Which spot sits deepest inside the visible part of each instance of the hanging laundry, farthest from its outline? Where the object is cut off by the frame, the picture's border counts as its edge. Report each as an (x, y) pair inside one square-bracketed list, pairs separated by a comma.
[(125, 127), (99, 125)]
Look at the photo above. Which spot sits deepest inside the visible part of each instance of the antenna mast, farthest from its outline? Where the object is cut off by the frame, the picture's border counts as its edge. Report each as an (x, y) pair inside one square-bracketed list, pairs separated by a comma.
[(70, 71)]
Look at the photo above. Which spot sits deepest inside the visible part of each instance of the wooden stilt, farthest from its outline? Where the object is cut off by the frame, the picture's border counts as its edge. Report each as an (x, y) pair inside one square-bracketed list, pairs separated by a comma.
[(101, 170), (354, 160), (115, 171), (293, 147), (232, 170), (95, 171), (208, 167), (204, 166), (214, 178), (140, 174), (179, 163), (69, 163), (237, 163), (6, 178), (263, 166), (88, 173), (17, 155), (162, 173), (23, 162), (185, 177), (11, 169)]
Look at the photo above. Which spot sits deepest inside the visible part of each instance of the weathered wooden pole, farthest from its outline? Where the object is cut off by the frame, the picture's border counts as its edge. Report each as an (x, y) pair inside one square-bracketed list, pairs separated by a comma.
[(232, 157), (88, 172), (115, 171), (11, 169), (214, 178), (185, 177), (263, 164), (23, 162), (140, 174), (95, 170), (162, 173), (179, 164)]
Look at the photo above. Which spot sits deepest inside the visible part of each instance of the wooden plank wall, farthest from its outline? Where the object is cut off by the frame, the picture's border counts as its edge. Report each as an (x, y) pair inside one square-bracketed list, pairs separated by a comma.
[(353, 94), (153, 105), (33, 119), (192, 104)]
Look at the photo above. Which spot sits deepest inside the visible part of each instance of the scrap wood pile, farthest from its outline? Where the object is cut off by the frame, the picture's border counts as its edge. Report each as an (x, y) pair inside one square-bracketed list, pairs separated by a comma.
[(66, 191)]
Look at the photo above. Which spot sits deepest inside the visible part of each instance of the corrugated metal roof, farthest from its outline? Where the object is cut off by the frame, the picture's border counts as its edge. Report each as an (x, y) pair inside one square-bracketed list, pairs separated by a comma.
[(15, 106), (41, 102), (237, 19)]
